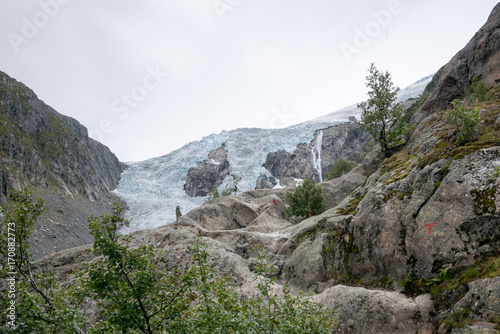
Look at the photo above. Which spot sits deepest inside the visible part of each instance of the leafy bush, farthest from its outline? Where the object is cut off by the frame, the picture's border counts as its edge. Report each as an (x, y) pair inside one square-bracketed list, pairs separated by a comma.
[(340, 168), (136, 292), (305, 200), (466, 122), (37, 301)]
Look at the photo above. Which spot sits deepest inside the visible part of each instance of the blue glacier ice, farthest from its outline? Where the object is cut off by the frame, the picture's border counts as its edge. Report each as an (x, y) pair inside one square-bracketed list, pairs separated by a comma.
[(153, 188)]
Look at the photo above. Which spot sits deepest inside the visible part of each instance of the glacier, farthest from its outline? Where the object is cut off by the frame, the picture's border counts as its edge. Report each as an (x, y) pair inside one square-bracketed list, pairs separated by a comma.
[(153, 188)]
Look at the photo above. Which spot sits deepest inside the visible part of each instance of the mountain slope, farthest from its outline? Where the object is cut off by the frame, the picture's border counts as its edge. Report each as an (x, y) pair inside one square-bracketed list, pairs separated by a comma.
[(53, 156)]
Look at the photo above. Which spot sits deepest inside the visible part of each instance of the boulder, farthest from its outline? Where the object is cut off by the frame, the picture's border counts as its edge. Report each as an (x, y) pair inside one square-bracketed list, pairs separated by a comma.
[(363, 311)]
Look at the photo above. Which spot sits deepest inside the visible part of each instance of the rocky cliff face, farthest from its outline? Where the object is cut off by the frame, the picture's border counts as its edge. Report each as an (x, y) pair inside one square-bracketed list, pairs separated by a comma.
[(345, 141), (44, 150), (208, 173), (478, 60)]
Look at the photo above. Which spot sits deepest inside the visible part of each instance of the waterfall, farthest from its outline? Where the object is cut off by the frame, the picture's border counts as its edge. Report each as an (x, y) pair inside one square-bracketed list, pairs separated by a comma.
[(316, 155)]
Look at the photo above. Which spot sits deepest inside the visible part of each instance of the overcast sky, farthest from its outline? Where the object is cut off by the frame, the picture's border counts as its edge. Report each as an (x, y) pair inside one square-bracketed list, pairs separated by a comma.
[(146, 77)]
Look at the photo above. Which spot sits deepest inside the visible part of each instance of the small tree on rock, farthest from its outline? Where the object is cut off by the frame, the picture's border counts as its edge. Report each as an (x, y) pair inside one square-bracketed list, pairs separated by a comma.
[(465, 121), (305, 200), (380, 115)]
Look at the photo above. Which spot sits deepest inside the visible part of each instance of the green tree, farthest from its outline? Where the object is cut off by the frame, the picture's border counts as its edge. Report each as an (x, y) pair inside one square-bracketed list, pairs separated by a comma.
[(340, 168), (136, 292), (380, 115), (34, 299), (306, 199), (130, 284), (465, 121)]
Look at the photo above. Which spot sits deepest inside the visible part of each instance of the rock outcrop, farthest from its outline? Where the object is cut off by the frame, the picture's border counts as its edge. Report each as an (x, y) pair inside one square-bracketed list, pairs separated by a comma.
[(208, 173), (265, 182), (52, 155), (359, 310), (345, 141), (478, 60)]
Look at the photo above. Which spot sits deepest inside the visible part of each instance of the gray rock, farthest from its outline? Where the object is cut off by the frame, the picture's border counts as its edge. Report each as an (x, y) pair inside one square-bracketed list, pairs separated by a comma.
[(479, 59), (344, 141), (52, 155), (482, 301), (265, 182), (208, 173), (363, 311)]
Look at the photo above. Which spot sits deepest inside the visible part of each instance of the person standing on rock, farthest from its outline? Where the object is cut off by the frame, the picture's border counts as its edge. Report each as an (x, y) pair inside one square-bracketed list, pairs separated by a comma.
[(178, 214)]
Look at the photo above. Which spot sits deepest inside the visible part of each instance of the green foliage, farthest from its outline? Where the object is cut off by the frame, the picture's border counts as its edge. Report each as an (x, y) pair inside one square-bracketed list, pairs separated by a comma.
[(286, 313), (414, 286), (496, 173), (136, 292), (340, 168), (478, 92), (380, 115), (130, 283), (39, 302), (234, 188), (305, 200), (457, 319), (466, 122)]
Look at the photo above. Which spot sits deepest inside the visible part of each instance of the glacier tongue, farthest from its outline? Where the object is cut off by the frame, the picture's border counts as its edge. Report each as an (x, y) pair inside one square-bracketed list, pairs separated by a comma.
[(153, 188)]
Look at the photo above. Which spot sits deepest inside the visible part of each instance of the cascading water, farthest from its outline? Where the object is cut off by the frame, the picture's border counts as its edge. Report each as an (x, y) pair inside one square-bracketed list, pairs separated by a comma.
[(316, 155)]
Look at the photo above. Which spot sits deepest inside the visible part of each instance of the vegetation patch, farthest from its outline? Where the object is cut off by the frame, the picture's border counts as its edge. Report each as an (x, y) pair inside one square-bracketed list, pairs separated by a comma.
[(352, 207), (340, 168), (484, 200), (447, 293), (305, 200)]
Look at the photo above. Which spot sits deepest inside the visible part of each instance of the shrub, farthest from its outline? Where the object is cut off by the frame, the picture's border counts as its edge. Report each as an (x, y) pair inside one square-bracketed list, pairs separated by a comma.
[(465, 121), (340, 168), (305, 200), (136, 292), (478, 92), (38, 300)]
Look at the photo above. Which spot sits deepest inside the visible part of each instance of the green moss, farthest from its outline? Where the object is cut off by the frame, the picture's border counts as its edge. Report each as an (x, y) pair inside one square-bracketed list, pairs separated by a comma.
[(352, 207), (484, 200), (401, 174), (399, 161), (457, 320), (486, 269), (312, 231)]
